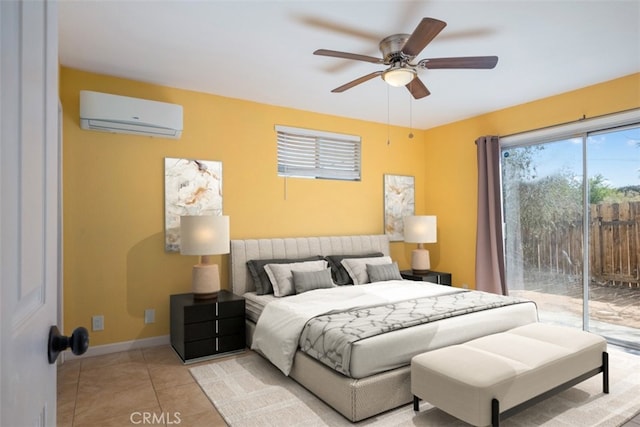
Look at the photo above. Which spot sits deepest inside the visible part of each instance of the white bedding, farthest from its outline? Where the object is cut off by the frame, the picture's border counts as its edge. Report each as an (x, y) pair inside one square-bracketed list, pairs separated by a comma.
[(278, 328), (256, 303), (395, 349), (358, 399)]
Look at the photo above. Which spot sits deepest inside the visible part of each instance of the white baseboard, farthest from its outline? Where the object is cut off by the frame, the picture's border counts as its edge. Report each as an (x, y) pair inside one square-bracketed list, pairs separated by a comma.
[(101, 350)]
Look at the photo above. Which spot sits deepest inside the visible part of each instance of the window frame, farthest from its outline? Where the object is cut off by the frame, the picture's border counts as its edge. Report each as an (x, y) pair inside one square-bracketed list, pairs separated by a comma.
[(314, 154)]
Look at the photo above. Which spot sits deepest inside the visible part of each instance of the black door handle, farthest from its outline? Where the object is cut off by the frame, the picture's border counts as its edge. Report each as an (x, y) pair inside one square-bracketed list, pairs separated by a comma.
[(78, 341)]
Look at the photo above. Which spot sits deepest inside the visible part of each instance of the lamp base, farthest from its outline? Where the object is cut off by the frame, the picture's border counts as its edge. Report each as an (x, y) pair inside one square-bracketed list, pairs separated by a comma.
[(420, 263), (210, 296), (205, 281)]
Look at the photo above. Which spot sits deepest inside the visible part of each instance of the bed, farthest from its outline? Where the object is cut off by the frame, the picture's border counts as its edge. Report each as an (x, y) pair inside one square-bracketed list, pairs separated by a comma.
[(375, 384)]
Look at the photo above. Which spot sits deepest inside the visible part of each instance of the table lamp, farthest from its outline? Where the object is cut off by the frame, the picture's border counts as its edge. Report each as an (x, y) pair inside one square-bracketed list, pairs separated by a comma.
[(420, 229), (204, 235)]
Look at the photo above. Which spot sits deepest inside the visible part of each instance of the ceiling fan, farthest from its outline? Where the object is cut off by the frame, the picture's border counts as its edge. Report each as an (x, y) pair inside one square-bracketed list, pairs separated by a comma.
[(398, 52)]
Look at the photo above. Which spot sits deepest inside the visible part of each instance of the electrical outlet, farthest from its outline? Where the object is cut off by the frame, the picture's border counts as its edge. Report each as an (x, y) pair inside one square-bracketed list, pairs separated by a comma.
[(97, 323), (149, 315)]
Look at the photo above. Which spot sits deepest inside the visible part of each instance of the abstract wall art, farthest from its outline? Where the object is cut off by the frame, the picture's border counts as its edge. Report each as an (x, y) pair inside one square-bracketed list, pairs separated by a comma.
[(399, 202), (191, 187)]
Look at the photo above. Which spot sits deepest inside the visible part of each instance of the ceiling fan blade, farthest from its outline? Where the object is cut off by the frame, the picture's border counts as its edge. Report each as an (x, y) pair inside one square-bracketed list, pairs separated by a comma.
[(346, 55), (426, 31), (417, 88), (325, 24), (477, 62), (357, 82), (466, 34)]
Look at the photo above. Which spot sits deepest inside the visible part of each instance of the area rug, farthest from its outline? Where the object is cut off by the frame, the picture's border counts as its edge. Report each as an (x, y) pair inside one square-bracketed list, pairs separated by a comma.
[(248, 391)]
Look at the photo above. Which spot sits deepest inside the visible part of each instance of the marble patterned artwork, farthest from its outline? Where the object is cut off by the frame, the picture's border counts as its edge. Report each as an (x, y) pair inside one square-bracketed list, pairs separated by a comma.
[(191, 187), (399, 202)]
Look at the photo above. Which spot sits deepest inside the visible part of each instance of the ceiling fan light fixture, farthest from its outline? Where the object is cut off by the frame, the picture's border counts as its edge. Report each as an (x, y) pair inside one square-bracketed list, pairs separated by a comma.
[(398, 77)]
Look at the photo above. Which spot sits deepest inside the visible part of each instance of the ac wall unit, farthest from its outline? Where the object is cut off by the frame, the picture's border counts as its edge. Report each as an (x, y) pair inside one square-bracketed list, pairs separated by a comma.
[(122, 114)]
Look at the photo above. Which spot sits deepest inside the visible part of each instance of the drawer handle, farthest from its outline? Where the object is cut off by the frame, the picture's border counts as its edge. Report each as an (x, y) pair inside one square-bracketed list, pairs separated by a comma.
[(216, 344)]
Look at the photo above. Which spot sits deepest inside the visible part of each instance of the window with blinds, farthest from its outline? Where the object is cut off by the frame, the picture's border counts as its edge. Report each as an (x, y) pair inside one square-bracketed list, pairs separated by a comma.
[(305, 153)]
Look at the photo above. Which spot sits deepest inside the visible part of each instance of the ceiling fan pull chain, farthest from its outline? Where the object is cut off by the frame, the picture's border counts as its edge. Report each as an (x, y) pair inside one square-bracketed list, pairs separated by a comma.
[(388, 118), (410, 116)]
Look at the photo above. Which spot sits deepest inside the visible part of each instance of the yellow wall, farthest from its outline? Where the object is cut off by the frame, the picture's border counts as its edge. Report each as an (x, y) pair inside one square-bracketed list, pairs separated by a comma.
[(113, 190), (114, 259), (451, 169)]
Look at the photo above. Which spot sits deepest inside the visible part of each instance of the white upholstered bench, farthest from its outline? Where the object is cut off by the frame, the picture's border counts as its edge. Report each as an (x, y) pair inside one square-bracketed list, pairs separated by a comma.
[(489, 379)]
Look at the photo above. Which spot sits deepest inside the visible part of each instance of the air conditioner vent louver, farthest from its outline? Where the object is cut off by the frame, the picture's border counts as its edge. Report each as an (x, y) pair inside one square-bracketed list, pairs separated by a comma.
[(123, 114)]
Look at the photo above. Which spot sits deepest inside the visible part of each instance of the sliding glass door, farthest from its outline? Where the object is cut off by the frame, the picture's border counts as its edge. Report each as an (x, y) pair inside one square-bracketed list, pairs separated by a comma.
[(558, 194), (543, 213), (613, 165)]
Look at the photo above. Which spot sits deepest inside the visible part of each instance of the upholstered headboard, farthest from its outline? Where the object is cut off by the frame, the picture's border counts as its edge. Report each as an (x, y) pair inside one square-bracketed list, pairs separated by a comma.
[(295, 247)]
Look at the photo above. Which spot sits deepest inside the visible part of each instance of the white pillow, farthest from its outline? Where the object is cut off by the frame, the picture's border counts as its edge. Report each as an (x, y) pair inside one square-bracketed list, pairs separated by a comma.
[(357, 267), (281, 276)]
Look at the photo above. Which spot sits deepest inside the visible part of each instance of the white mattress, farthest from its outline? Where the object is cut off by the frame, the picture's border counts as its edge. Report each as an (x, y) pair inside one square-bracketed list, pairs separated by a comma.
[(403, 342), (254, 304), (395, 349)]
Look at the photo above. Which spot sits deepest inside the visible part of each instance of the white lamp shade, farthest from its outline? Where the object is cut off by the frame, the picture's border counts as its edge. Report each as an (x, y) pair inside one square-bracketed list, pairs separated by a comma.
[(420, 229), (204, 235), (398, 77)]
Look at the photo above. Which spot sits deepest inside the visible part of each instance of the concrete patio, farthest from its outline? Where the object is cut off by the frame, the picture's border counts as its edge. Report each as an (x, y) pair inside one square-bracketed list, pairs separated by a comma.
[(614, 310)]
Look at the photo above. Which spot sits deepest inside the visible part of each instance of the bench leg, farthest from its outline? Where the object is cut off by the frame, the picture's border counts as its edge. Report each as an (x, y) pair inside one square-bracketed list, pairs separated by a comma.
[(416, 403), (495, 413), (605, 372)]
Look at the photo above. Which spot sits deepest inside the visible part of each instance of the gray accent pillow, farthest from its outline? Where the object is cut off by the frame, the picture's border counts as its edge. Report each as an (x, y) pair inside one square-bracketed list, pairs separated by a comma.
[(340, 275), (382, 272), (304, 281), (281, 275), (357, 267), (259, 276)]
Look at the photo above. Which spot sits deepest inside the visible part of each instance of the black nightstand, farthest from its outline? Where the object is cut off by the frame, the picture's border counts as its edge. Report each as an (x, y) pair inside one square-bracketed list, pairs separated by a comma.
[(432, 276), (202, 329)]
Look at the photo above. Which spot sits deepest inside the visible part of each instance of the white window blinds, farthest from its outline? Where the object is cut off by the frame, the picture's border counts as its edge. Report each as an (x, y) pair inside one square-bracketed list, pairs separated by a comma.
[(309, 153)]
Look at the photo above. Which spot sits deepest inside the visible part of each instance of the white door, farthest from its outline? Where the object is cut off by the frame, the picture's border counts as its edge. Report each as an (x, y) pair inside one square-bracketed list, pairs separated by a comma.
[(29, 211)]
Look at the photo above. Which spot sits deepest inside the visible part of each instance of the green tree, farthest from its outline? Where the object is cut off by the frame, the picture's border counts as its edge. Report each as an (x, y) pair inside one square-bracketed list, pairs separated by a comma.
[(548, 201), (600, 191)]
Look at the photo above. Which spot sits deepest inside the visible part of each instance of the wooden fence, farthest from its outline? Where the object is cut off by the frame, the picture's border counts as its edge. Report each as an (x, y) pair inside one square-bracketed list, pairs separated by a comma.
[(614, 245)]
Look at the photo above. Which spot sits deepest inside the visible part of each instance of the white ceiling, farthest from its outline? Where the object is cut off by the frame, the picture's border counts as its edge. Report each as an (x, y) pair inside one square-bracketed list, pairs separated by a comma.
[(262, 50)]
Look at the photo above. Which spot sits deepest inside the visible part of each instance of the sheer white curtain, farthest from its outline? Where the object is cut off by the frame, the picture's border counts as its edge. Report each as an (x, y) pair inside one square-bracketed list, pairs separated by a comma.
[(490, 272)]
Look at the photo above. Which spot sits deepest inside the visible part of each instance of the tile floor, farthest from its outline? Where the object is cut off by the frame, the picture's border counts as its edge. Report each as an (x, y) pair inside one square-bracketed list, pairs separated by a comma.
[(120, 389)]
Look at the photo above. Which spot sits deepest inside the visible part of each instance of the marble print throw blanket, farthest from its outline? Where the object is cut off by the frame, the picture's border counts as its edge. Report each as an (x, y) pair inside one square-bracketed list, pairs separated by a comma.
[(329, 338), (279, 327), (357, 312)]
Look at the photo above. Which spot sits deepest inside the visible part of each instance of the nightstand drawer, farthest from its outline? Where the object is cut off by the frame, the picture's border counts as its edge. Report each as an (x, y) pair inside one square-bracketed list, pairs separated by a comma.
[(213, 328), (231, 326), (231, 343), (199, 331), (231, 309), (213, 346), (195, 349), (199, 313), (217, 310)]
